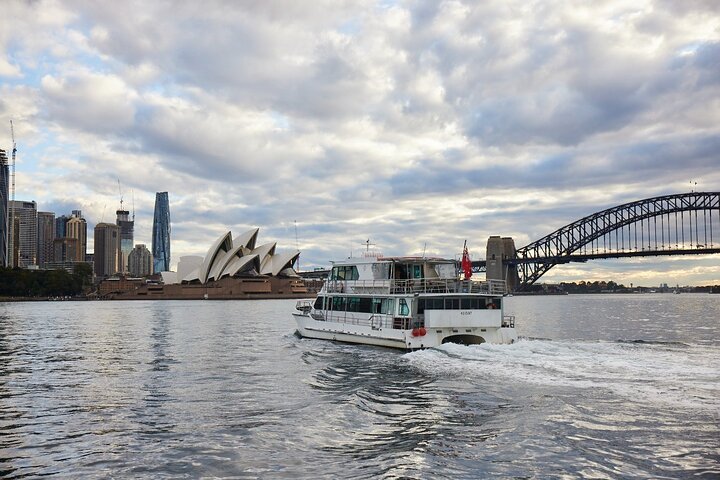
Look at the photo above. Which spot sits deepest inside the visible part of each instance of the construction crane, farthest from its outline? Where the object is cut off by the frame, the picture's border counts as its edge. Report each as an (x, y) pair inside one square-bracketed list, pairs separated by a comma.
[(11, 240), (120, 193)]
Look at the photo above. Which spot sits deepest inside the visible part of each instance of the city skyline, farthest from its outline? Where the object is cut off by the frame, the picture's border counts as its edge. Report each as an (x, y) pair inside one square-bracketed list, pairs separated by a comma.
[(418, 125)]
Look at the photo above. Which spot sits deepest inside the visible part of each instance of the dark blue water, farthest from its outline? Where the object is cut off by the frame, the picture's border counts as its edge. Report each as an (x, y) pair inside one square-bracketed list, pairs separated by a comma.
[(609, 387)]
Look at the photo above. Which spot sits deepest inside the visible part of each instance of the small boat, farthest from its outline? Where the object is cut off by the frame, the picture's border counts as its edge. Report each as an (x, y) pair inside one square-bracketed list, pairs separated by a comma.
[(407, 303)]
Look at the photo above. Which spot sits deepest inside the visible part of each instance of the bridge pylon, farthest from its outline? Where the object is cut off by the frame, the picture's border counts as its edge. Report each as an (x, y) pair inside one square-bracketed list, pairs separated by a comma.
[(499, 250)]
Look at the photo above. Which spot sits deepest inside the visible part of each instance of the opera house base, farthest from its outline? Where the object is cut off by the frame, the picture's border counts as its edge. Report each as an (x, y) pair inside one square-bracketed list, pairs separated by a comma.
[(228, 288)]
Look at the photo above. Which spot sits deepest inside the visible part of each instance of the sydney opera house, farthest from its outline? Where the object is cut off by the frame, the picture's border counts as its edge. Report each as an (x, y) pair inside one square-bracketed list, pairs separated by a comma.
[(231, 269)]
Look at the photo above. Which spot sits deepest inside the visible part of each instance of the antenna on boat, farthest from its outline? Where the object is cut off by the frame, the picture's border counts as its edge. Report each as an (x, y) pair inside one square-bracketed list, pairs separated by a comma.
[(424, 247)]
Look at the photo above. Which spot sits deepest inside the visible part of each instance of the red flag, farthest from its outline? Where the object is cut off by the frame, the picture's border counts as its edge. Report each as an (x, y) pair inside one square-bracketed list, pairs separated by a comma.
[(466, 263)]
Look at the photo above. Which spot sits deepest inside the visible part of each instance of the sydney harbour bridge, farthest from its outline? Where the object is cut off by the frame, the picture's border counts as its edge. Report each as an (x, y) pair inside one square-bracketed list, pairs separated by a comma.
[(681, 224)]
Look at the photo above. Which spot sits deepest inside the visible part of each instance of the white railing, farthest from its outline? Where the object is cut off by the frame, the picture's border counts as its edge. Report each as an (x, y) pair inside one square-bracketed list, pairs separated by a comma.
[(376, 320), (409, 287)]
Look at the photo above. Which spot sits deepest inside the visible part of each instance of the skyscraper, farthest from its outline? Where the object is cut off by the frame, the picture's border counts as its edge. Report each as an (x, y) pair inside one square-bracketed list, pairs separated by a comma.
[(161, 233), (61, 226), (140, 261), (4, 212), (24, 245), (65, 250), (45, 237), (107, 249), (127, 227), (76, 227)]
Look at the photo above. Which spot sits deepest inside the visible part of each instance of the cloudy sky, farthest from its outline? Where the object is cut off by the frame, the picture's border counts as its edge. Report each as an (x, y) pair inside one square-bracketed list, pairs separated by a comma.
[(415, 124)]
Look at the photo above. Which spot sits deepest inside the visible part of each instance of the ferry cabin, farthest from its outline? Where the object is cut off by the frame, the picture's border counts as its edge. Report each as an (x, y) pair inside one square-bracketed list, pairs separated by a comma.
[(406, 302)]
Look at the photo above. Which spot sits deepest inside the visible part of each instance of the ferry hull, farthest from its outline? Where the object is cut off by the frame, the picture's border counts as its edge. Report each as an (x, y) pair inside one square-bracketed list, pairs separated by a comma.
[(403, 339)]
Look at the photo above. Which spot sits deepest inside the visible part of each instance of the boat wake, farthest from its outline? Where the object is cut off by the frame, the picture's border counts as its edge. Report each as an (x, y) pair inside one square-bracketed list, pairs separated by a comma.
[(667, 374)]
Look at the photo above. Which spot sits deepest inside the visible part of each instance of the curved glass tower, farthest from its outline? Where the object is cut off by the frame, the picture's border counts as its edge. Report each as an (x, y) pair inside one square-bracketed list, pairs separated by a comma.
[(161, 233)]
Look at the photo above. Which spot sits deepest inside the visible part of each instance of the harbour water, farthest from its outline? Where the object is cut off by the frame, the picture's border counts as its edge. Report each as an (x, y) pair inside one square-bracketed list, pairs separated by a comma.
[(602, 386)]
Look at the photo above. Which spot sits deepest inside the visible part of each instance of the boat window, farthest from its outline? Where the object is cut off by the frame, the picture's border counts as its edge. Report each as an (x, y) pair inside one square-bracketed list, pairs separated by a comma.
[(417, 271), (376, 305), (401, 271), (366, 305), (335, 273), (494, 303), (404, 310), (319, 303), (388, 306), (381, 271), (339, 304), (469, 303), (421, 306), (353, 304), (345, 272), (452, 304)]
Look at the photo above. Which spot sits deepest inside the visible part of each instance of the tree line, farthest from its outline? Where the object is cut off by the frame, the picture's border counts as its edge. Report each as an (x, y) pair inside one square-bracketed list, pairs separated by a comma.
[(19, 282)]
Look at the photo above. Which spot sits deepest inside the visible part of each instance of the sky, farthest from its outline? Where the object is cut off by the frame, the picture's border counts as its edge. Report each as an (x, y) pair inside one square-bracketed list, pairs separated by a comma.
[(417, 125)]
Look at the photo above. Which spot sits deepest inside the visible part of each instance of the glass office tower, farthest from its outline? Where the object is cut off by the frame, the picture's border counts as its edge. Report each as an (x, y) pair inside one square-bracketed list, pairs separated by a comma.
[(161, 233)]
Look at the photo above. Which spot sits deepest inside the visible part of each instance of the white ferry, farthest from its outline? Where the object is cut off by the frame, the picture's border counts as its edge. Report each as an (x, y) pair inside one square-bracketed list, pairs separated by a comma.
[(405, 302)]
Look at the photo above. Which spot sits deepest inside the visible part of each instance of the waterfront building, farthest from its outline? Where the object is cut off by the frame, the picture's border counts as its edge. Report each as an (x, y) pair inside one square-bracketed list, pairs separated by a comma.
[(45, 237), (127, 228), (107, 249), (4, 212), (24, 244), (161, 233), (76, 227), (140, 261)]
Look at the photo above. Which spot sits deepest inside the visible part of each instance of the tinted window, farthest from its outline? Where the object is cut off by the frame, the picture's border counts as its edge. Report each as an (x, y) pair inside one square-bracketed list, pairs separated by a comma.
[(339, 304), (353, 304), (319, 303), (366, 305), (404, 310), (388, 306)]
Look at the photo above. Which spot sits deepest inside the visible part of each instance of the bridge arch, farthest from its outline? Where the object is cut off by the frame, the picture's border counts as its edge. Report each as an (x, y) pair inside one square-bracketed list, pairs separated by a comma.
[(680, 224)]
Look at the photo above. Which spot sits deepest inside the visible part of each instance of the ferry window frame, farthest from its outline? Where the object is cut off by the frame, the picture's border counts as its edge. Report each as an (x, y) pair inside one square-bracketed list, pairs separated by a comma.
[(452, 304), (403, 309), (339, 304), (319, 303), (417, 271), (345, 272)]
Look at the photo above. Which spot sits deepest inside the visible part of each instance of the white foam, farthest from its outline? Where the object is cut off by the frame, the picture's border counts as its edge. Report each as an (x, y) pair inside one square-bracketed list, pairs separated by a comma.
[(679, 375)]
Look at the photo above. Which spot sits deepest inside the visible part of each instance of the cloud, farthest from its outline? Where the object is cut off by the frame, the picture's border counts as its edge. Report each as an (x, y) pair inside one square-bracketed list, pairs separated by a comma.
[(417, 124)]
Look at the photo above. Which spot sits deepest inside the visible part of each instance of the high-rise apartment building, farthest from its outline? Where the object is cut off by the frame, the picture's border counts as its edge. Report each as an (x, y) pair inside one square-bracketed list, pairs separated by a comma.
[(4, 212), (65, 250), (61, 226), (24, 244), (140, 261), (127, 227), (45, 237), (161, 233), (76, 227), (107, 249)]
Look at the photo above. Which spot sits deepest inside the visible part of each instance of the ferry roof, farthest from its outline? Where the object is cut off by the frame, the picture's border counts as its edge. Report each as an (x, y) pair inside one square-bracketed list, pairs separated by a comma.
[(402, 259)]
